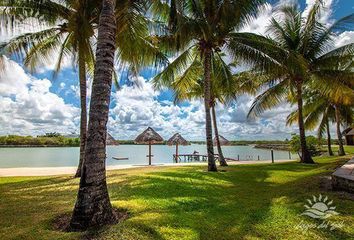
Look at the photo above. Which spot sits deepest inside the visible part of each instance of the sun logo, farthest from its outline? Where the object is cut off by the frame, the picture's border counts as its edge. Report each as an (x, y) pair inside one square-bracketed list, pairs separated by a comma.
[(320, 208)]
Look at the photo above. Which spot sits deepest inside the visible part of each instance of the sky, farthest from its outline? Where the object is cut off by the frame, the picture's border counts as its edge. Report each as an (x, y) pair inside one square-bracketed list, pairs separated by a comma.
[(35, 103)]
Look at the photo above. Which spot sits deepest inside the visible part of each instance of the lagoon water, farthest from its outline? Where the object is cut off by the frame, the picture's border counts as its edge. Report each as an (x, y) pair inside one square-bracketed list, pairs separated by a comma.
[(68, 156)]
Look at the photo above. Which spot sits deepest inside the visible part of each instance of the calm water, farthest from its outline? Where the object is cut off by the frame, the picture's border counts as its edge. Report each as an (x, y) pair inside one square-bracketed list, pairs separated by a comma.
[(68, 156)]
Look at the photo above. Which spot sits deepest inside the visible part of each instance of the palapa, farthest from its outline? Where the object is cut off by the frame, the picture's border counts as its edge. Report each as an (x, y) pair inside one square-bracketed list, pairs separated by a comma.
[(223, 141), (149, 136), (177, 139)]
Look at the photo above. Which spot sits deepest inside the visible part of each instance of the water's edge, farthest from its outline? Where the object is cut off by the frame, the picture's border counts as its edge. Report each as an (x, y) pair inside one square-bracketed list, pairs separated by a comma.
[(136, 154)]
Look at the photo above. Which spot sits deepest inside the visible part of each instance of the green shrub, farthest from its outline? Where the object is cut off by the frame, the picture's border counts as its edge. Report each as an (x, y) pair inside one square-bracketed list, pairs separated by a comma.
[(312, 143)]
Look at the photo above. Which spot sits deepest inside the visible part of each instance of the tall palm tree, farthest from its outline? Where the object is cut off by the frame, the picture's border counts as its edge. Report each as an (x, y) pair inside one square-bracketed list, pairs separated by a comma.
[(225, 88), (70, 32), (93, 207), (204, 27), (318, 112), (74, 35), (298, 57), (343, 116)]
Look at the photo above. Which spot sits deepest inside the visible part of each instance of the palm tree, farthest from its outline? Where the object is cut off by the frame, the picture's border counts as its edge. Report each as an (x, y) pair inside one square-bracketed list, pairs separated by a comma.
[(318, 112), (93, 207), (73, 35), (204, 27), (343, 115), (298, 57), (225, 88)]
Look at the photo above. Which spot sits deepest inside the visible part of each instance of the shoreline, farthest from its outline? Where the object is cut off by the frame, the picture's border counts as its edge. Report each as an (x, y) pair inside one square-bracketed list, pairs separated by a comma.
[(55, 171)]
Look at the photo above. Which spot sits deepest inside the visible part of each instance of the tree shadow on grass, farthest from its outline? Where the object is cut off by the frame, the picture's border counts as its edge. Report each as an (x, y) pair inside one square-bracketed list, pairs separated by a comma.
[(228, 205), (245, 201)]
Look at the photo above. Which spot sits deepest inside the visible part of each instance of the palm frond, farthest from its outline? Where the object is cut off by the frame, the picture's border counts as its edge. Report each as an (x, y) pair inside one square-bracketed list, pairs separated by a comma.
[(270, 98)]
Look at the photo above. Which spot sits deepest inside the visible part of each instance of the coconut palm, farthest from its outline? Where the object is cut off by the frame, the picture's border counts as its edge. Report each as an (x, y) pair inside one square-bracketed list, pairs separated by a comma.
[(70, 32), (204, 27), (225, 88), (300, 55), (318, 112), (93, 207), (74, 36)]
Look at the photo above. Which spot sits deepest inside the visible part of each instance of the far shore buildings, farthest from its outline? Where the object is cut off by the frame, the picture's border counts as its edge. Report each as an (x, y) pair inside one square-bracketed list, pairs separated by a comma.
[(349, 136)]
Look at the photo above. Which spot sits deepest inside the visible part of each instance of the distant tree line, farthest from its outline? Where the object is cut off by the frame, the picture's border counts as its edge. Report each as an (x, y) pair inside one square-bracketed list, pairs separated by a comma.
[(14, 140)]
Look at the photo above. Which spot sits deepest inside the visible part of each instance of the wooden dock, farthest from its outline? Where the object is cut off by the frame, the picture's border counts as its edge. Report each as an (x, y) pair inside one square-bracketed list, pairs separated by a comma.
[(196, 158)]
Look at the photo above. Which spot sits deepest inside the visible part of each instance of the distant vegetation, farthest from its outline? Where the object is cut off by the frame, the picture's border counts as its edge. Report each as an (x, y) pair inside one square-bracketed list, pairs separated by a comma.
[(45, 140), (314, 145), (56, 139)]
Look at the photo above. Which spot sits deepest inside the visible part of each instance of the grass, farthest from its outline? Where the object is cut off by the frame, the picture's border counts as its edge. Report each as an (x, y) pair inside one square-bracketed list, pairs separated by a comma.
[(242, 202), (335, 148)]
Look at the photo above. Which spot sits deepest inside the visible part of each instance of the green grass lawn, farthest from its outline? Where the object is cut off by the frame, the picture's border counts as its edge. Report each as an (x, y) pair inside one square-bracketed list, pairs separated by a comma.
[(242, 202), (348, 149)]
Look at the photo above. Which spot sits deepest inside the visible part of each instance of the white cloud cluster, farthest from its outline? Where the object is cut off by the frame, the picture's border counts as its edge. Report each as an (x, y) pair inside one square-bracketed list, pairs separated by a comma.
[(326, 12), (28, 106), (344, 38), (136, 108), (259, 24)]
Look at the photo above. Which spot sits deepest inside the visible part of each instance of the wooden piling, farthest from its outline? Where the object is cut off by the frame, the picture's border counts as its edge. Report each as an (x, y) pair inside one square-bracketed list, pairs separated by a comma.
[(272, 154)]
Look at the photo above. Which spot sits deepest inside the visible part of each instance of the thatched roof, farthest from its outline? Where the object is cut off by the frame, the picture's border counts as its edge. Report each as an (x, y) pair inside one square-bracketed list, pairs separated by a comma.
[(223, 141), (177, 139), (149, 135), (110, 140), (350, 133)]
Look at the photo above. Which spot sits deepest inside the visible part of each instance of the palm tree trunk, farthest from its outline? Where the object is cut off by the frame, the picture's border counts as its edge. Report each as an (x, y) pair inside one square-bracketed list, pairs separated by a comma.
[(221, 155), (208, 127), (330, 152), (305, 154), (341, 151), (93, 207), (83, 118)]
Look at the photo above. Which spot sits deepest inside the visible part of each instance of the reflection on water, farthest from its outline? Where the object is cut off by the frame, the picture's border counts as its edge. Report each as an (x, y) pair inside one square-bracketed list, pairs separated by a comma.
[(68, 156)]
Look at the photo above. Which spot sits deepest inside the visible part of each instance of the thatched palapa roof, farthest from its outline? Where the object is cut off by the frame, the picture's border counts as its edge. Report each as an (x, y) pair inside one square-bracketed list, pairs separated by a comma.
[(350, 132), (177, 139), (149, 135), (223, 141), (110, 140)]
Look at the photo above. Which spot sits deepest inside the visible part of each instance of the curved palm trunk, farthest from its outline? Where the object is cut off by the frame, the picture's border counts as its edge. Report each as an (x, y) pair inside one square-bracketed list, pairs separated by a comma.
[(341, 151), (83, 118), (207, 101), (305, 154), (221, 155), (93, 207), (330, 152)]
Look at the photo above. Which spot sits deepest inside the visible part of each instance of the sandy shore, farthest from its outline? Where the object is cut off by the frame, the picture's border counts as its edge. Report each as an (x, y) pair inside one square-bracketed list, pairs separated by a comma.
[(52, 171)]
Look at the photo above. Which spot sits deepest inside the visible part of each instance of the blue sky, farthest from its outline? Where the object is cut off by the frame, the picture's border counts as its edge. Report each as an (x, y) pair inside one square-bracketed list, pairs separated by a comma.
[(36, 103)]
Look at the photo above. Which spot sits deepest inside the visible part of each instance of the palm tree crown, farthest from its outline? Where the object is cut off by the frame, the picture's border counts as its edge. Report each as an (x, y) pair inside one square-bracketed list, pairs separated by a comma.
[(203, 29), (299, 54)]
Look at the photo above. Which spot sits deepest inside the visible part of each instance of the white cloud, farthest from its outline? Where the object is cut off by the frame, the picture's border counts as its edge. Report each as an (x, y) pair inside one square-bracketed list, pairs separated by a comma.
[(28, 106), (259, 24), (326, 11), (138, 107), (344, 38)]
